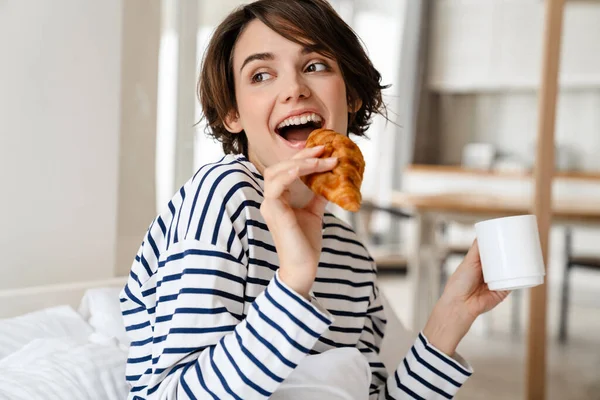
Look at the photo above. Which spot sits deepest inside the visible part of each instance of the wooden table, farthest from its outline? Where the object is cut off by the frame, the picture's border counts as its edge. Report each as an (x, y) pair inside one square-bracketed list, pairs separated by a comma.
[(429, 209)]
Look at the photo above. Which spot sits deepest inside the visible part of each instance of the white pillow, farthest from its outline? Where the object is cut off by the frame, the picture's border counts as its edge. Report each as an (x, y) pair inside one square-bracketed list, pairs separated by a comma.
[(102, 310), (338, 374), (56, 322), (62, 369)]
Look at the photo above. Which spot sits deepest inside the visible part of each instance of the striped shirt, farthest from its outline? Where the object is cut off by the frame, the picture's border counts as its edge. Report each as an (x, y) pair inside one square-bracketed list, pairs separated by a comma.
[(209, 318)]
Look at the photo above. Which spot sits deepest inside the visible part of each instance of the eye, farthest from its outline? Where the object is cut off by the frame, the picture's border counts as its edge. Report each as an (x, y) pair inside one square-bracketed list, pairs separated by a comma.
[(261, 77), (317, 67)]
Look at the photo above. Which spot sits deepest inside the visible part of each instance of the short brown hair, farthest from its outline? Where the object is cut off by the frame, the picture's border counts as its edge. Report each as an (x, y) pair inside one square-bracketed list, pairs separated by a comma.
[(310, 23)]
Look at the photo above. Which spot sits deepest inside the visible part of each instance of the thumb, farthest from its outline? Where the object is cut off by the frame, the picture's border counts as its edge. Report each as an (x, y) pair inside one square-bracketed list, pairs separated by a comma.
[(472, 256)]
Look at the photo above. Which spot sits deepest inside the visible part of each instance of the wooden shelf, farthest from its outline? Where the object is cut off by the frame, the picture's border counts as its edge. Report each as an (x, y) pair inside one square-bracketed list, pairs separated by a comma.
[(453, 169)]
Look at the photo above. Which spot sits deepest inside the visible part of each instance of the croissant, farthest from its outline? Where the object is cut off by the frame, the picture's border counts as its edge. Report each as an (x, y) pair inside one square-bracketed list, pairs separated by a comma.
[(342, 184)]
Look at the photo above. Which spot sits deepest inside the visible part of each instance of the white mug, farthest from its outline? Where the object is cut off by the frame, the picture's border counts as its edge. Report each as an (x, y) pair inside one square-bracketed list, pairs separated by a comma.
[(510, 251)]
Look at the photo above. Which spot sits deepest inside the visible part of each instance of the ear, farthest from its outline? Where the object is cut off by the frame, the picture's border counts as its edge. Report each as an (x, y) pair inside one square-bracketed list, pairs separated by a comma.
[(354, 106), (232, 123)]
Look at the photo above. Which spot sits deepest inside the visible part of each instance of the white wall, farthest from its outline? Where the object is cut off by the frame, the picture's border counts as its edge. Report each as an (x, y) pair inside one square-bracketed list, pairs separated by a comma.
[(59, 138)]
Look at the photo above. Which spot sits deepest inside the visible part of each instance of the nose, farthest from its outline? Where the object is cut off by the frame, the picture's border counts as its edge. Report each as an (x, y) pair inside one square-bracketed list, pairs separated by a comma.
[(294, 88)]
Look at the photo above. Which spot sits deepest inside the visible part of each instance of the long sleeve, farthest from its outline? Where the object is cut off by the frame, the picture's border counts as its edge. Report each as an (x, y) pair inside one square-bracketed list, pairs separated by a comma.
[(202, 346), (424, 373)]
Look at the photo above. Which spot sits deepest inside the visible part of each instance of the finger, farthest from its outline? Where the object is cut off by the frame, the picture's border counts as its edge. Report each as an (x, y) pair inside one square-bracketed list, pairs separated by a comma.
[(472, 256), (309, 152), (279, 183), (304, 166)]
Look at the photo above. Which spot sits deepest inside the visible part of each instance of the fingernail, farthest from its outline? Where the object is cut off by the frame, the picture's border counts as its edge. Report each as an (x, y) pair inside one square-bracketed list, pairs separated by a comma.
[(331, 160), (321, 147), (293, 171)]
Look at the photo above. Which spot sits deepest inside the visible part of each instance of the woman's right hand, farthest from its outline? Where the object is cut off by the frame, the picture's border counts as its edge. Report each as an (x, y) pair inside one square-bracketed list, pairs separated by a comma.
[(297, 231)]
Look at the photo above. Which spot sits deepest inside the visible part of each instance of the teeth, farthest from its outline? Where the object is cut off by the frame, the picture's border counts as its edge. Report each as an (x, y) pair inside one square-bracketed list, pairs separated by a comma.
[(299, 120)]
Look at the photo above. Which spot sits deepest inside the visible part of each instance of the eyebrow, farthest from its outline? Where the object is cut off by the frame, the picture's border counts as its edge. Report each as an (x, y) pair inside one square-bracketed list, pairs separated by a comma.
[(269, 56)]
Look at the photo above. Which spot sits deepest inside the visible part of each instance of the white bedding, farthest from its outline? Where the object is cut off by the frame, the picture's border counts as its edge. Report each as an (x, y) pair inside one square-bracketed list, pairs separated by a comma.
[(59, 353)]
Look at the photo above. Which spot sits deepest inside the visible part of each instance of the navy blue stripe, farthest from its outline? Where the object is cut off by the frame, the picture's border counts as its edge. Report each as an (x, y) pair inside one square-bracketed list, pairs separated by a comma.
[(374, 310), (344, 240), (241, 374), (257, 281), (242, 207), (347, 268), (184, 384), (424, 382), (198, 252), (230, 240), (262, 263), (346, 254), (133, 311), (335, 225), (376, 329), (199, 331), (334, 344), (172, 209), (262, 245), (370, 346), (141, 342), (376, 365), (145, 263), (159, 371), (137, 326), (220, 375), (162, 226), (203, 311), (205, 166), (351, 314), (366, 328), (134, 276), (212, 292), (202, 383), (279, 329), (379, 376), (257, 224), (243, 161), (344, 282), (138, 389), (302, 302), (444, 359), (256, 362), (176, 236), (201, 271), (210, 195), (433, 369), (290, 316), (232, 191), (243, 232), (322, 295), (344, 330), (153, 245), (405, 389), (139, 360), (149, 292), (270, 346), (387, 394)]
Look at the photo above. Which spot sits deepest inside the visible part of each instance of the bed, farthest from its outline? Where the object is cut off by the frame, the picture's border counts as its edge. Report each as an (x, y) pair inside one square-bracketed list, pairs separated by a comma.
[(68, 342)]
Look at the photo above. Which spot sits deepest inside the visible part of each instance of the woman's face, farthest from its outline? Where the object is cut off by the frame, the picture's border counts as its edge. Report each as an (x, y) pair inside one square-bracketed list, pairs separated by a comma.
[(283, 92)]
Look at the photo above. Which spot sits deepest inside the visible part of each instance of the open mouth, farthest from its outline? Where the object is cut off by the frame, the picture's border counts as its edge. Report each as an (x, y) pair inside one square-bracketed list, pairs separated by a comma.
[(295, 130)]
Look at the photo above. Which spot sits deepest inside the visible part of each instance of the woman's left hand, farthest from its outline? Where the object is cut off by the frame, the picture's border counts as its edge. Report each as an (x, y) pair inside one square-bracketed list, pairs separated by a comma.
[(465, 297)]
